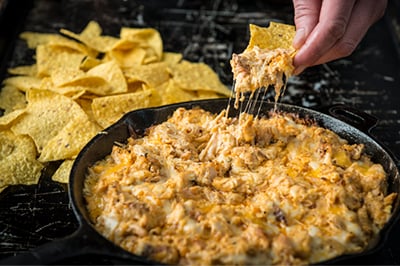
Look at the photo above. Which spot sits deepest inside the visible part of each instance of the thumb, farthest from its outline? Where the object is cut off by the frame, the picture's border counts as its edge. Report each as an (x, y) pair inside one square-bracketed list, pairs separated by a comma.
[(306, 17)]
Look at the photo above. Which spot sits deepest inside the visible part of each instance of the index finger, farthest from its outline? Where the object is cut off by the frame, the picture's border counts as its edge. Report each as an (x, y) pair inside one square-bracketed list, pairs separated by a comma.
[(306, 16)]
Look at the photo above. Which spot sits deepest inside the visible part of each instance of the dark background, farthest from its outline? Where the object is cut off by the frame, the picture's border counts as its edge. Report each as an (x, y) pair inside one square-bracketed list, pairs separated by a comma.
[(207, 31)]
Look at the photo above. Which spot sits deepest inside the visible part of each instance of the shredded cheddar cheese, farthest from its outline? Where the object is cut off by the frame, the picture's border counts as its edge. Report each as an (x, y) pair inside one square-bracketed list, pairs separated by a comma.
[(202, 189)]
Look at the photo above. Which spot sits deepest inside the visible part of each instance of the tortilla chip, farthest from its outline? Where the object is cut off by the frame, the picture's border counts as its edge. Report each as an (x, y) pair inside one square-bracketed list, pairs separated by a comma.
[(86, 105), (91, 30), (171, 58), (89, 62), (267, 61), (277, 35), (135, 86), (46, 115), (148, 38), (127, 57), (112, 73), (91, 37), (63, 172), (30, 70), (174, 94), (152, 74), (51, 58), (124, 44), (197, 76), (74, 46), (107, 110), (73, 92), (7, 119), (18, 164), (37, 39), (64, 76), (23, 83), (207, 95), (94, 85), (70, 140), (11, 99), (34, 39)]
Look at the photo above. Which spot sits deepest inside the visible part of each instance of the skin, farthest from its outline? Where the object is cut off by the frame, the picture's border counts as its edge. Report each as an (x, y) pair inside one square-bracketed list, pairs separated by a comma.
[(331, 29)]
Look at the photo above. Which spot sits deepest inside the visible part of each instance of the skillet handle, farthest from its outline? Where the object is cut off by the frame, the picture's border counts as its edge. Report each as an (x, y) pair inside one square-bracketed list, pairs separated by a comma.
[(356, 118), (81, 242)]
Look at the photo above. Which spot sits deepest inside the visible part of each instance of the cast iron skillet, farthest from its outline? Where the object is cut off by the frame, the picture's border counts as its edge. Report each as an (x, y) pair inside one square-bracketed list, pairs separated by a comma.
[(86, 240)]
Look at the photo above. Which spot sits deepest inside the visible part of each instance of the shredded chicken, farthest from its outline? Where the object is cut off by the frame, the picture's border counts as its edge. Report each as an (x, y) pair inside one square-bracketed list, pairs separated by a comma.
[(203, 189), (256, 68)]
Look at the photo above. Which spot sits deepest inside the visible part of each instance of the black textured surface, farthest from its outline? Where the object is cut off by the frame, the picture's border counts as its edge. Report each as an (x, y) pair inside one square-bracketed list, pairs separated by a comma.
[(207, 31)]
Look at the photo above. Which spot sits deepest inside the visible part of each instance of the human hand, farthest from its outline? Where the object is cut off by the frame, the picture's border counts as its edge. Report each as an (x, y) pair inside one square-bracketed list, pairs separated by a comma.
[(331, 29)]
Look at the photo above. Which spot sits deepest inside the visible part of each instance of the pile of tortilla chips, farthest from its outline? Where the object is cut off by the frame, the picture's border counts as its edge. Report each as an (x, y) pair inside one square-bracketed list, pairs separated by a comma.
[(81, 84)]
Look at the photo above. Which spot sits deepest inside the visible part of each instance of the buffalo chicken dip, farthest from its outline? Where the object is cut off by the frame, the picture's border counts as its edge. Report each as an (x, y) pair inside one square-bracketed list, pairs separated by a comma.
[(205, 188), (257, 68)]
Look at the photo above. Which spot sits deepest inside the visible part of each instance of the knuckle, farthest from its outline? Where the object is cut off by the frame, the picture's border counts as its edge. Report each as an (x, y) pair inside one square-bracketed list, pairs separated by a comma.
[(303, 10), (345, 48), (336, 29), (300, 5)]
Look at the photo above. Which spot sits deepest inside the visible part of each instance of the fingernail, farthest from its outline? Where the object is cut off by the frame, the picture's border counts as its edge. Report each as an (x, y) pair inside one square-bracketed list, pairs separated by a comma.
[(299, 38), (298, 70)]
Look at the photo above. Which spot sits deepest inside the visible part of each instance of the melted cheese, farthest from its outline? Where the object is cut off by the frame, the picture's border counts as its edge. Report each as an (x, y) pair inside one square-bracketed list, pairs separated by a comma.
[(207, 189), (256, 68)]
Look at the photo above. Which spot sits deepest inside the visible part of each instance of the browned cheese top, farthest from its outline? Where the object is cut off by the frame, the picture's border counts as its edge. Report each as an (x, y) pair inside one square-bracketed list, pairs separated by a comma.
[(204, 188)]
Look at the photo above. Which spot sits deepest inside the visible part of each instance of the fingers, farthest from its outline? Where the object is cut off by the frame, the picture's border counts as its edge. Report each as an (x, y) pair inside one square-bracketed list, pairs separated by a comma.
[(356, 30), (333, 19), (306, 17), (333, 31)]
